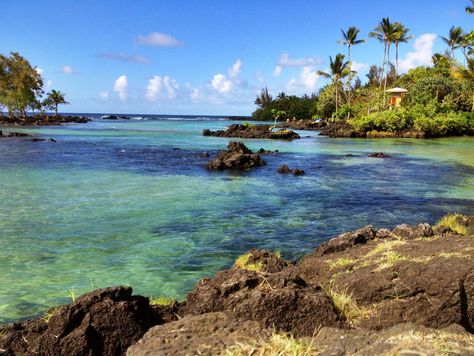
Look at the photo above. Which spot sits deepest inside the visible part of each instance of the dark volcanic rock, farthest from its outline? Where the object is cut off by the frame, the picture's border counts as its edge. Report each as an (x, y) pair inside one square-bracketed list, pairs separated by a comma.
[(378, 155), (36, 139), (340, 129), (237, 156), (253, 131), (284, 169), (13, 134), (109, 117), (104, 322)]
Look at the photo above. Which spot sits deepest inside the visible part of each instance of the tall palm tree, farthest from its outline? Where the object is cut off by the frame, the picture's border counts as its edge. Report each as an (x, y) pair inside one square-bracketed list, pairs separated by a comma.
[(264, 100), (339, 70), (349, 39), (467, 74), (466, 46), (54, 98), (454, 39), (385, 33), (470, 9), (400, 36)]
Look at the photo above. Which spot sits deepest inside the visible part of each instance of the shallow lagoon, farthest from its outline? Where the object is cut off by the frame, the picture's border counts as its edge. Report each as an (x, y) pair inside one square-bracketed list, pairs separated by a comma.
[(130, 202)]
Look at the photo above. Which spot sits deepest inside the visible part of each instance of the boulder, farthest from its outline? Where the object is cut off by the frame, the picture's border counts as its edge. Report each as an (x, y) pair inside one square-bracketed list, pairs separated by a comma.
[(378, 155), (284, 169), (237, 157)]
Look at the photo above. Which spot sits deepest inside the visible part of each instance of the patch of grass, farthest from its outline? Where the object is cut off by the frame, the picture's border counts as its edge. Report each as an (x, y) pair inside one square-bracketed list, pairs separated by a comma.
[(341, 262), (49, 314), (453, 255), (345, 303), (277, 253), (72, 293), (2, 332), (389, 259), (162, 301), (243, 263), (385, 246), (453, 221), (276, 344)]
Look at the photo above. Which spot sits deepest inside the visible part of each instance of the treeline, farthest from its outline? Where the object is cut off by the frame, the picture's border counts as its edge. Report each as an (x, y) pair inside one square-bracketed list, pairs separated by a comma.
[(21, 88), (446, 87)]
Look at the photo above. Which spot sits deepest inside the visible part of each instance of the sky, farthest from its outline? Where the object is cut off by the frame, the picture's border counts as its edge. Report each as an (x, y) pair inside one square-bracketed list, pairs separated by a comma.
[(206, 57)]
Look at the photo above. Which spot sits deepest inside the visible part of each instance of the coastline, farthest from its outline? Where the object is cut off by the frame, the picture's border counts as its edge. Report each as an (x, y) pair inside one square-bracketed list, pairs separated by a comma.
[(361, 286)]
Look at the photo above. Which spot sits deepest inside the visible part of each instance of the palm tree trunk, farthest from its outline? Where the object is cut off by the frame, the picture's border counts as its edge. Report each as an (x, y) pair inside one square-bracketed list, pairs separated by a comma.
[(396, 59), (386, 74), (383, 67), (472, 108), (337, 95), (56, 110)]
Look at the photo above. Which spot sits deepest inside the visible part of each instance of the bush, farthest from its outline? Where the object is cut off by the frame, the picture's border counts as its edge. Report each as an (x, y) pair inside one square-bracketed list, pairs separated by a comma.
[(390, 120), (451, 124)]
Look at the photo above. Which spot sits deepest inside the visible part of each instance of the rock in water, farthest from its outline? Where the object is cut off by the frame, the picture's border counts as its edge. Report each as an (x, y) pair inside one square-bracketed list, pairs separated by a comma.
[(284, 169), (378, 155), (237, 156)]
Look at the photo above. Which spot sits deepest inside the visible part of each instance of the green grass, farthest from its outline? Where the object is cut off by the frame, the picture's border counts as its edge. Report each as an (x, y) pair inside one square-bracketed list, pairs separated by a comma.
[(341, 262), (453, 221), (242, 262), (346, 305), (276, 344), (49, 314), (162, 301)]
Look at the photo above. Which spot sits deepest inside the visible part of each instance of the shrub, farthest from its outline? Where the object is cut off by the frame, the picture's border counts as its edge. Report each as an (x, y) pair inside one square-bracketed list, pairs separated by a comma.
[(455, 222), (163, 301)]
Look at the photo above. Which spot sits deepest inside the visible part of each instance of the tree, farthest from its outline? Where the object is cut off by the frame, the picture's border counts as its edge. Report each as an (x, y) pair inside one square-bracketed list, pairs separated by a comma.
[(466, 74), (385, 33), (20, 84), (454, 39), (466, 46), (349, 39), (53, 99), (339, 70), (400, 36), (264, 100), (470, 9)]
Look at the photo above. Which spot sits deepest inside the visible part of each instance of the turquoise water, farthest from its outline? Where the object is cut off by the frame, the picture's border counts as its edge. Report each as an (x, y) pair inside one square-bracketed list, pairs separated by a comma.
[(130, 202)]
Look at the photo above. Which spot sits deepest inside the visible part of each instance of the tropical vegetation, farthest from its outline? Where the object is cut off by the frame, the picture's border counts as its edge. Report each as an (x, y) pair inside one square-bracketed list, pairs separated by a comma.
[(439, 101), (21, 88)]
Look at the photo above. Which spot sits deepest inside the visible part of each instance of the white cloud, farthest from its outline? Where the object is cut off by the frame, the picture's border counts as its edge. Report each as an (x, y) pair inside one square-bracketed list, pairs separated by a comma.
[(39, 70), (104, 95), (277, 71), (286, 61), (421, 56), (157, 86), (69, 70), (196, 95), (235, 69), (118, 56), (158, 39), (221, 84), (120, 87), (357, 67), (307, 81), (49, 84)]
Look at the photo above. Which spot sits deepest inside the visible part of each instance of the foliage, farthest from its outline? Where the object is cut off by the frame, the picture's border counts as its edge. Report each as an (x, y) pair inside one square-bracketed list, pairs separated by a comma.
[(295, 107), (264, 100), (454, 222), (242, 262), (162, 301), (20, 84), (53, 99)]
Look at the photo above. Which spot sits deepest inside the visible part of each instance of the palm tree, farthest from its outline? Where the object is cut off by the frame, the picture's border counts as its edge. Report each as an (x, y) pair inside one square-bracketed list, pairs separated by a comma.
[(339, 70), (384, 32), (264, 100), (350, 39), (53, 99), (467, 74), (400, 36), (470, 9), (454, 39), (466, 46)]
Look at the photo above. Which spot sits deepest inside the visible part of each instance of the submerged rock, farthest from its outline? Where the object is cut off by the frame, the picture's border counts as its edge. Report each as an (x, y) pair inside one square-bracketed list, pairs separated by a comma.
[(284, 169), (237, 156), (378, 155)]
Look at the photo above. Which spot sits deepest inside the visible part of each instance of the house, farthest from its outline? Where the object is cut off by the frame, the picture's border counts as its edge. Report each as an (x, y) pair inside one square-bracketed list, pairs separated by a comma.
[(397, 95)]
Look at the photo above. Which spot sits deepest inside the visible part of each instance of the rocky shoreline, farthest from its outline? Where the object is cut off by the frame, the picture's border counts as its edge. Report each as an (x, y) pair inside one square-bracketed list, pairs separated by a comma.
[(413, 285), (253, 131), (42, 120)]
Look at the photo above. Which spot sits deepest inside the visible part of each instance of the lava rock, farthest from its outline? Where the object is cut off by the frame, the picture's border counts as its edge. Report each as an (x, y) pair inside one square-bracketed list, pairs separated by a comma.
[(378, 155), (237, 157), (284, 169)]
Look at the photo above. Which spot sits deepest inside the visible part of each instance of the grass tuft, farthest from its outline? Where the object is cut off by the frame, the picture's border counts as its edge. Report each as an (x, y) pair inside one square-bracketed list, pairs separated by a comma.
[(345, 303), (385, 246), (242, 262), (341, 262), (453, 221), (162, 301), (49, 314), (276, 344)]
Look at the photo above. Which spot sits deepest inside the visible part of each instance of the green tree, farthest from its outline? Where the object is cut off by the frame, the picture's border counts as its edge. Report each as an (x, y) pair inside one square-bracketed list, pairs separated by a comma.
[(454, 39), (339, 70), (349, 39), (470, 9), (466, 74), (264, 100), (53, 99), (20, 84), (400, 36), (385, 33)]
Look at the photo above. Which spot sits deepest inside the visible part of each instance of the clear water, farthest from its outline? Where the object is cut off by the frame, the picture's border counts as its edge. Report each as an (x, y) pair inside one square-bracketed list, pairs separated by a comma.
[(131, 203)]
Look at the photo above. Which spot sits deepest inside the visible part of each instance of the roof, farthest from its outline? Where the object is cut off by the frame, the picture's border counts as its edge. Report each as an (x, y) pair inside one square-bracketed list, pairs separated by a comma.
[(396, 90)]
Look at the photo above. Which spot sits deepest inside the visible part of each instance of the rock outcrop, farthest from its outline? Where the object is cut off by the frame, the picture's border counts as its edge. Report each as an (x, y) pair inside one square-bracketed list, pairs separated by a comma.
[(237, 157), (253, 131), (284, 169)]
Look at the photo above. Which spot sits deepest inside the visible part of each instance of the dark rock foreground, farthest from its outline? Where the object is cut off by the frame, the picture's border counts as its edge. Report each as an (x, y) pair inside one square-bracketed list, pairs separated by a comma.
[(365, 292)]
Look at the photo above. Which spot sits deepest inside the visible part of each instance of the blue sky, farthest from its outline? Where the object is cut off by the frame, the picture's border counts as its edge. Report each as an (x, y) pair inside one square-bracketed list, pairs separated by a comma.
[(206, 57)]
